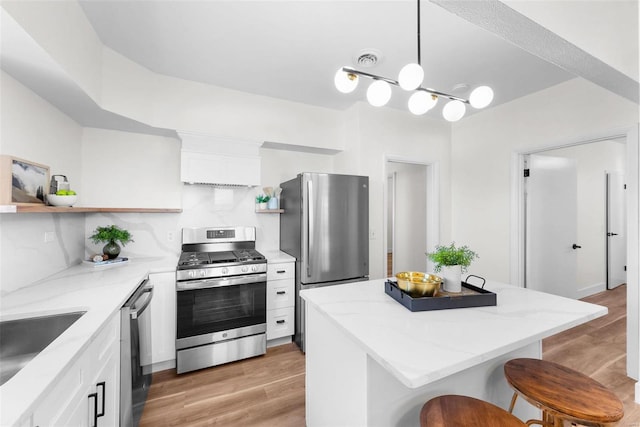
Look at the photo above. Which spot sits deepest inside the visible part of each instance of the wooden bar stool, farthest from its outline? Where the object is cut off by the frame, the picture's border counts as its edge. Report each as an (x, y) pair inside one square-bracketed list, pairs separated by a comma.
[(463, 411), (562, 394)]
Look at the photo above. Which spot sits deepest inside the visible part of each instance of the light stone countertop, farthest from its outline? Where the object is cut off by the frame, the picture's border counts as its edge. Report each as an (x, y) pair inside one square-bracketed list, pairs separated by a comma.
[(419, 348), (276, 256), (100, 291)]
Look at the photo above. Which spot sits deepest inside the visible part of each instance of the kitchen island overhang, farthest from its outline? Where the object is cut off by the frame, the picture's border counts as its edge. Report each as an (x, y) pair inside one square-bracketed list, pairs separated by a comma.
[(371, 361)]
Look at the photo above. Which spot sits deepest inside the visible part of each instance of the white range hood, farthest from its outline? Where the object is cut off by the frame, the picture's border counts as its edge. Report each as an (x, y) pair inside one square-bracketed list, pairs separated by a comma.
[(216, 160)]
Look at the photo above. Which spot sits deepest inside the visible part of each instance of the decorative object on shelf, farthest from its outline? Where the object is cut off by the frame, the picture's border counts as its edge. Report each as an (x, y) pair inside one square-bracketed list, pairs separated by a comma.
[(272, 203), (111, 235), (62, 199), (261, 201), (451, 262), (410, 78), (22, 182)]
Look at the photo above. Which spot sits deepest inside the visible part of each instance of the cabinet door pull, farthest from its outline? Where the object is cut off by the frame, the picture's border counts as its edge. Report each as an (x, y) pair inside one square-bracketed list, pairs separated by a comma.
[(104, 392), (94, 396), (281, 292), (280, 321), (281, 271)]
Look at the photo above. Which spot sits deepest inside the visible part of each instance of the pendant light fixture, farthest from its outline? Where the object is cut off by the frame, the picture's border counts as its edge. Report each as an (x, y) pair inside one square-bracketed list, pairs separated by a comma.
[(410, 78)]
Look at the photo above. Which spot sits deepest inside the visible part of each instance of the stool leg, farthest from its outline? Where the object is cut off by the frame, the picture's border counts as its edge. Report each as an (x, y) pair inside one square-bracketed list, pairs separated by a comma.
[(513, 402)]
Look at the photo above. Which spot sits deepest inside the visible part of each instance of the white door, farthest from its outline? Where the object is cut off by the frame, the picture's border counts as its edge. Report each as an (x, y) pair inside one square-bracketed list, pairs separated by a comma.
[(616, 231), (551, 212)]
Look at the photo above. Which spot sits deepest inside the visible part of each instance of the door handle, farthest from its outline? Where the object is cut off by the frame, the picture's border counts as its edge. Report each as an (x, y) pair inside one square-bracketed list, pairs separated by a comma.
[(94, 396), (102, 384), (576, 246), (612, 234)]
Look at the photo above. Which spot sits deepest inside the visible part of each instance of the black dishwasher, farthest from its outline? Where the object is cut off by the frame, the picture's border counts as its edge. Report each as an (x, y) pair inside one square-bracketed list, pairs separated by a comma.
[(135, 379)]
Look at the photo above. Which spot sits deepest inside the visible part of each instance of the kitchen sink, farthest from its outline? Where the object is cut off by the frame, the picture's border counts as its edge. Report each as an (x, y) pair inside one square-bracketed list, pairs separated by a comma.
[(21, 340)]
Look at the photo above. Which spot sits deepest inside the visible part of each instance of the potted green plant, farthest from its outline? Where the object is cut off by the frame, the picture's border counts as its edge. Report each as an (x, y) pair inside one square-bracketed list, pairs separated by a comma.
[(451, 262), (111, 235), (261, 201)]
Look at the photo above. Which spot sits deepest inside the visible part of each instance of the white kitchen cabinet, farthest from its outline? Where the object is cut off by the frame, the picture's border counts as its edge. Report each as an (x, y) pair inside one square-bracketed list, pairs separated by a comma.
[(162, 354), (92, 381), (280, 299)]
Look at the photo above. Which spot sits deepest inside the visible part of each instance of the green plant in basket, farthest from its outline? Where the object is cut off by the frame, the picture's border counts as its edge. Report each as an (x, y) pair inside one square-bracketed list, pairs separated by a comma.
[(452, 255)]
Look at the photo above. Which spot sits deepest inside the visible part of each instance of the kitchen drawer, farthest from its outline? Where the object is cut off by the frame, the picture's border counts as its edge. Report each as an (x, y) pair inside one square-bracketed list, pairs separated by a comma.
[(280, 294), (280, 323), (285, 270), (66, 394)]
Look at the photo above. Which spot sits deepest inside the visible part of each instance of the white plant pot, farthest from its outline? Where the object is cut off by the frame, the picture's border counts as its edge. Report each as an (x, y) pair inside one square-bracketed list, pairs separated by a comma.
[(262, 206), (452, 278)]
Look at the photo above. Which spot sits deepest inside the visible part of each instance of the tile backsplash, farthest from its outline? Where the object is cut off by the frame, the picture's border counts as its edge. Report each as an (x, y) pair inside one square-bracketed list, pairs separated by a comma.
[(25, 257)]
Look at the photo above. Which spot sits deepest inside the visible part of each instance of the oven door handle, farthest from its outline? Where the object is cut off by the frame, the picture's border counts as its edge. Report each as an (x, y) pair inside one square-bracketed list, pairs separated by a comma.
[(219, 282)]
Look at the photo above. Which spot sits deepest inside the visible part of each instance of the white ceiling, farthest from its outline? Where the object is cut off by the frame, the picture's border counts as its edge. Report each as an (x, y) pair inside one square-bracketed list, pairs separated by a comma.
[(291, 49)]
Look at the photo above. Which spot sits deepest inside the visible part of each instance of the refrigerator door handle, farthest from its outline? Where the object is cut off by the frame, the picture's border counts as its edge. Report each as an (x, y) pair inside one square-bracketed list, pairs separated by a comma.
[(309, 225)]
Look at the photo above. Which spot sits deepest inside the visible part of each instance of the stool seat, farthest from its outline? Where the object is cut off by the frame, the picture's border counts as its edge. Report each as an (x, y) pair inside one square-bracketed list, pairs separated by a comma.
[(563, 393), (463, 411)]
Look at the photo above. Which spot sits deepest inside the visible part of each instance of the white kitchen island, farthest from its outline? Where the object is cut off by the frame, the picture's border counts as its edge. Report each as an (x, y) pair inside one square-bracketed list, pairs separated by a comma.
[(372, 362)]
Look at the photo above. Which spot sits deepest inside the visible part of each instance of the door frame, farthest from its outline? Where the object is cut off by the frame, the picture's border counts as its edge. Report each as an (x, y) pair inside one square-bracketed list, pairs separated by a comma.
[(433, 204), (392, 178), (607, 255), (631, 136)]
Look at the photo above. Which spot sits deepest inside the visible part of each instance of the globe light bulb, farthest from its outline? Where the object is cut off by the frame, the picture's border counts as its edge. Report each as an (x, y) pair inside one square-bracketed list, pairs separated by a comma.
[(379, 93), (421, 102), (481, 97), (345, 82), (411, 76), (453, 111)]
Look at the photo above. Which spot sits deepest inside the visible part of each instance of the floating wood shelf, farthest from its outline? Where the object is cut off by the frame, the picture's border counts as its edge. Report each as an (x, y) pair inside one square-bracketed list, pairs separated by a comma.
[(78, 209), (269, 210)]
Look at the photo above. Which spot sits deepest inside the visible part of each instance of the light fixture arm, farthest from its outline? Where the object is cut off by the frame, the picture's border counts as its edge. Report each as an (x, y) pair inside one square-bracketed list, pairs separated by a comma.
[(419, 63), (350, 70)]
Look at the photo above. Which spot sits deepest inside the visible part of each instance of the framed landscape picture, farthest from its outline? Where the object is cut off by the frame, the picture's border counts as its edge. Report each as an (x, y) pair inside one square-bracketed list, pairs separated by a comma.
[(22, 182)]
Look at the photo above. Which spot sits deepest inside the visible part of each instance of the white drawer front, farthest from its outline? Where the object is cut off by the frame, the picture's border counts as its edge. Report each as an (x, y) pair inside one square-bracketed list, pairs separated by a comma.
[(280, 271), (280, 294), (280, 323)]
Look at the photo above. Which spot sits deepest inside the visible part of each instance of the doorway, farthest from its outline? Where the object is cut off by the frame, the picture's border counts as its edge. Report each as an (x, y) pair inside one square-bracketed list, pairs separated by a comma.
[(566, 237), (411, 215)]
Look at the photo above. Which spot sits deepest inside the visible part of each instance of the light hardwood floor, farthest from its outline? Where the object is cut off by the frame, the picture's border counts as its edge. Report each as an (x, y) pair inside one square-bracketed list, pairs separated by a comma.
[(598, 349), (269, 390)]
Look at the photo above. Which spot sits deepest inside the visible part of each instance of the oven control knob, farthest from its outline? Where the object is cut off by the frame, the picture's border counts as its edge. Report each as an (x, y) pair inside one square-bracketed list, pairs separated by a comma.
[(203, 273), (254, 268), (245, 269), (225, 270), (192, 274)]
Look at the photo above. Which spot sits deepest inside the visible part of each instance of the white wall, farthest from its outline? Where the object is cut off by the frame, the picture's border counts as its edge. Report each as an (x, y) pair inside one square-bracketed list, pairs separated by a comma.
[(483, 145), (592, 162), (32, 129), (63, 30), (129, 170)]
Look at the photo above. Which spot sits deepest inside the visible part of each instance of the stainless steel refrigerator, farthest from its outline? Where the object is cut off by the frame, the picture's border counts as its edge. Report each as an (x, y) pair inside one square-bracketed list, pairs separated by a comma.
[(325, 226)]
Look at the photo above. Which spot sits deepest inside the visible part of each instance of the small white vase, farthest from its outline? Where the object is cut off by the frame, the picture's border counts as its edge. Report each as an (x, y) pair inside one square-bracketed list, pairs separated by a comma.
[(262, 206), (452, 277)]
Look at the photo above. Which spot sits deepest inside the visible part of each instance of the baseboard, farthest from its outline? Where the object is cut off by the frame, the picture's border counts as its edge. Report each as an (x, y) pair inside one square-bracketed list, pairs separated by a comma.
[(591, 290), (163, 366), (279, 341), (637, 399)]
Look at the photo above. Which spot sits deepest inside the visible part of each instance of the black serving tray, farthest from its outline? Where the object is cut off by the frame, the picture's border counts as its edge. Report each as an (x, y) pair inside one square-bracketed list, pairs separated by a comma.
[(471, 296)]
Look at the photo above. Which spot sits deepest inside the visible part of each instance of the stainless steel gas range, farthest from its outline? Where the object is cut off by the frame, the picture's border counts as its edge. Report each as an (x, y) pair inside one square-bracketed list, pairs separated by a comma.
[(221, 297)]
